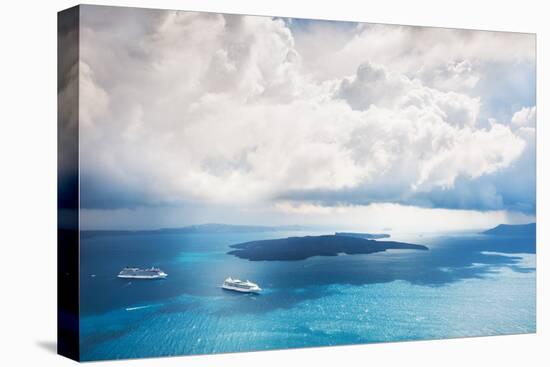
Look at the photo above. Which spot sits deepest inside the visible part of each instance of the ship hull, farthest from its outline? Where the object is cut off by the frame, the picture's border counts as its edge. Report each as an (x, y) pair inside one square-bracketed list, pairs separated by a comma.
[(142, 276), (129, 276), (241, 290)]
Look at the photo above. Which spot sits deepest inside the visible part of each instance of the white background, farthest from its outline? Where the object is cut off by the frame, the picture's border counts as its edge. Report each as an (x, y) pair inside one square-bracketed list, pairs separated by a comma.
[(28, 182)]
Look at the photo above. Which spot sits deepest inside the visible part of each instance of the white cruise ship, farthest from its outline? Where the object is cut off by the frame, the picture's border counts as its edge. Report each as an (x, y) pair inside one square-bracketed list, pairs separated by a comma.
[(241, 286), (137, 273)]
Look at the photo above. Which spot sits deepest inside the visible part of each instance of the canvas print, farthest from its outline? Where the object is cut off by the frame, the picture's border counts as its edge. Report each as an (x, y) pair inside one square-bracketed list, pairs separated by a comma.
[(234, 183)]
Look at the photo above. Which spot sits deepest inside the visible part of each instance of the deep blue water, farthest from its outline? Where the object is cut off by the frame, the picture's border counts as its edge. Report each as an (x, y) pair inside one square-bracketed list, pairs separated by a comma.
[(465, 285)]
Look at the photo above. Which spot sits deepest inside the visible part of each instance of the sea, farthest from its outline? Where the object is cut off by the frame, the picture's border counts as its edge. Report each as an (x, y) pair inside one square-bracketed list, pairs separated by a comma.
[(465, 285)]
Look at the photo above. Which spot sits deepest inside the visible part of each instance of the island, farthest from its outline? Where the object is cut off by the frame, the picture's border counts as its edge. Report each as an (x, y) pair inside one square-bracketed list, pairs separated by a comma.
[(301, 248), (368, 236), (513, 230)]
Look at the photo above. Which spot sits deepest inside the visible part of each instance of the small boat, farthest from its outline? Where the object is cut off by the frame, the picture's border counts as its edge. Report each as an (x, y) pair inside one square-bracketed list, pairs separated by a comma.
[(137, 273), (241, 286)]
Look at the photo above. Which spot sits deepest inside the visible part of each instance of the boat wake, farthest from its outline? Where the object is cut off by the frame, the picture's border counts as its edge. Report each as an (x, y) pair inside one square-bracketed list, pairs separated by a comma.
[(137, 308)]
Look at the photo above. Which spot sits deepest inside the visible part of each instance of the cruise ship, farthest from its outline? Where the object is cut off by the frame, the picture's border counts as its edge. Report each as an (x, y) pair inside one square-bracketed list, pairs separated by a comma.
[(137, 273), (241, 286)]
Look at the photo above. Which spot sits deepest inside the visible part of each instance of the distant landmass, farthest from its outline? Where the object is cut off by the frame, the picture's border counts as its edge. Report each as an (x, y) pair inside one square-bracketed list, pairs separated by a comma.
[(223, 228), (199, 228), (368, 236), (513, 230), (301, 248)]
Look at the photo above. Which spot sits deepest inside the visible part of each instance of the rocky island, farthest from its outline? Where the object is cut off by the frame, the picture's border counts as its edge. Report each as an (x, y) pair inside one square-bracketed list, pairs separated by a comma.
[(529, 229), (301, 248)]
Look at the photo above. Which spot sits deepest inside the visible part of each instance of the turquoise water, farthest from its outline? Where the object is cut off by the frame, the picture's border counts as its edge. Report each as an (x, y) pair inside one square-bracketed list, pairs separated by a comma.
[(465, 285)]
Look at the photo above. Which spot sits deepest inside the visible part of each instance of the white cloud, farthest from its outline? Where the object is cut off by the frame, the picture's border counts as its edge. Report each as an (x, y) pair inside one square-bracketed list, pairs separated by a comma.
[(458, 75), (97, 99), (437, 53), (525, 117), (227, 110), (375, 85)]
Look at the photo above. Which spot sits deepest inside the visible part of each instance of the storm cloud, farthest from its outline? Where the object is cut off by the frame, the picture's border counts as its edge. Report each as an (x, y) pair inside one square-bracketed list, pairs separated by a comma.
[(180, 108)]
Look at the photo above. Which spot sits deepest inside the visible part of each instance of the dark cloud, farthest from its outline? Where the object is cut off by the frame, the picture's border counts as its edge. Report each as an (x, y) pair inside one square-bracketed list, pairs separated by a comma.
[(510, 190), (67, 105), (103, 193)]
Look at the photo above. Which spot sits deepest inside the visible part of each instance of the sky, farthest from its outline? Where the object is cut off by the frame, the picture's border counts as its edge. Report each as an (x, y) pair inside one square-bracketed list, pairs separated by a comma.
[(189, 118)]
